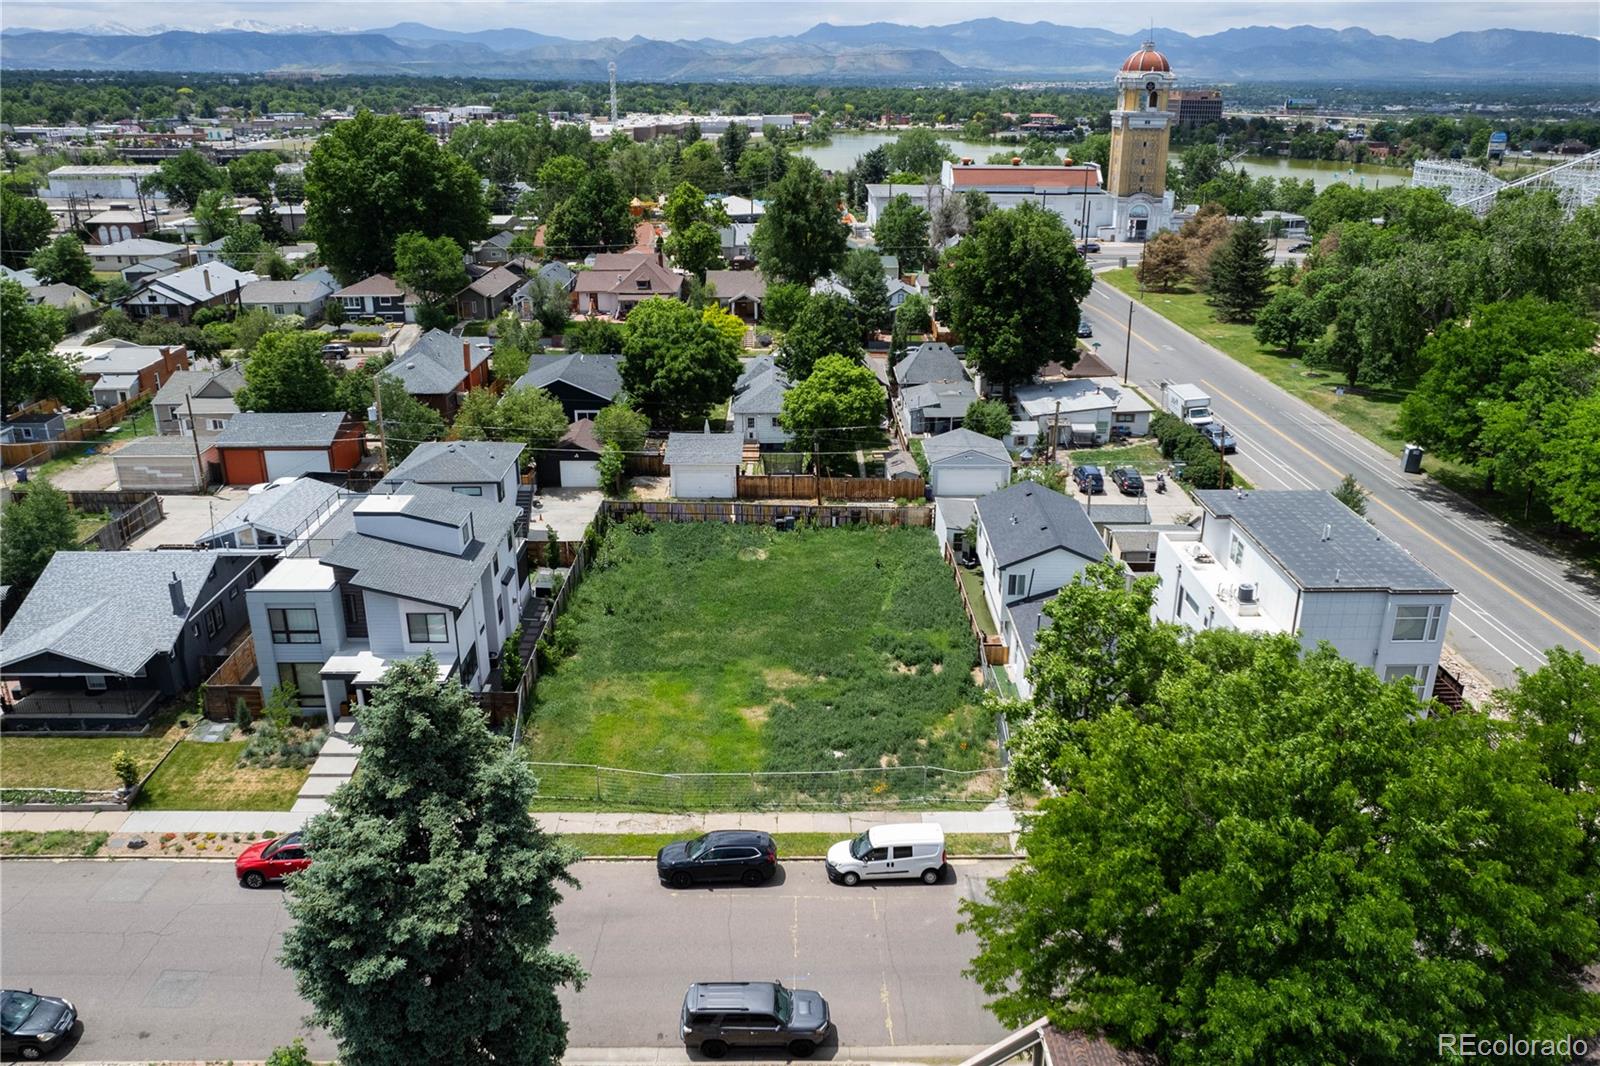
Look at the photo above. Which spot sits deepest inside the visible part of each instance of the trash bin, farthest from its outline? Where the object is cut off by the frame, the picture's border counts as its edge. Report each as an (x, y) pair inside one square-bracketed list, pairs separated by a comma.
[(21, 473), (1411, 459)]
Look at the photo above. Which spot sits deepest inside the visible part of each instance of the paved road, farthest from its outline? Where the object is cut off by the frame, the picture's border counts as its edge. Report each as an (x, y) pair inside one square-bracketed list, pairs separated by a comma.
[(172, 960), (1513, 599)]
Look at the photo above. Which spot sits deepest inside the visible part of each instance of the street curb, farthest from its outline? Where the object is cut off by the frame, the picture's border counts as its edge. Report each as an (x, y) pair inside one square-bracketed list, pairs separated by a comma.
[(134, 856)]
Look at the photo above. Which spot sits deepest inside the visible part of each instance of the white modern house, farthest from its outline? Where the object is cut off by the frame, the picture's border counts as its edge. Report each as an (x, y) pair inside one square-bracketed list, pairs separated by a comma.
[(1032, 540), (421, 570), (1084, 410), (276, 515), (704, 466), (964, 463), (1302, 562), (758, 402)]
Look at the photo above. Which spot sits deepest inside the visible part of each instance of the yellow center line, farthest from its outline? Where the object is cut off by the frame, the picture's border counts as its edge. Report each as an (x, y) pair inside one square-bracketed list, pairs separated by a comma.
[(1513, 593)]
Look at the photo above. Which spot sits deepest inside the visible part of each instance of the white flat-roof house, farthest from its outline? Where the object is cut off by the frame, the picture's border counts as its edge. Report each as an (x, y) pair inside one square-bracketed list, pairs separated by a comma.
[(1302, 562), (1084, 410)]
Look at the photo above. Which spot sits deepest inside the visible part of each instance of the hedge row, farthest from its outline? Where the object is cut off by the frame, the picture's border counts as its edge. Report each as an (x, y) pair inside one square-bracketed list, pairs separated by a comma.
[(1202, 466)]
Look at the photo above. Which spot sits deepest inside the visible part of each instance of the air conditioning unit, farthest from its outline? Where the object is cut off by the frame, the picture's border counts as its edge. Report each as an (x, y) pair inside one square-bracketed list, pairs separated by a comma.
[(1248, 604)]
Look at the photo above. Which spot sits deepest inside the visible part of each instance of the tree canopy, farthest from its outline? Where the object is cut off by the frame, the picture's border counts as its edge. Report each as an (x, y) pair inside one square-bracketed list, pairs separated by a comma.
[(621, 425), (29, 365), (33, 527), (902, 231), (27, 225), (801, 237), (63, 260), (676, 365), (826, 325), (862, 274), (593, 219), (286, 373), (989, 417), (433, 895), (407, 421), (434, 269), (840, 399), (1240, 274), (186, 175)]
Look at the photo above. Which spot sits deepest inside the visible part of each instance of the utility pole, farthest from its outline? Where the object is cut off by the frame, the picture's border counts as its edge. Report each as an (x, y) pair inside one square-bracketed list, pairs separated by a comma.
[(383, 436), (1222, 455), (1055, 432), (194, 434), (1127, 346)]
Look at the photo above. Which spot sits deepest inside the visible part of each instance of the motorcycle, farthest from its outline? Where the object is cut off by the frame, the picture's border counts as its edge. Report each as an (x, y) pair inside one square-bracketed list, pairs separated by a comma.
[(1161, 483)]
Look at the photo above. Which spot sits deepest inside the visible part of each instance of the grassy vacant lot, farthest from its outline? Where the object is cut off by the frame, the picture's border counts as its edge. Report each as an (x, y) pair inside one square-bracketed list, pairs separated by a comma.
[(207, 777), (142, 423), (790, 845), (1143, 456), (705, 647)]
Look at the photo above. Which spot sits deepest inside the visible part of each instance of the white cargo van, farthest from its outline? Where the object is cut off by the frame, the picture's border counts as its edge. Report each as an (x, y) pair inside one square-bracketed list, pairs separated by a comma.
[(904, 849)]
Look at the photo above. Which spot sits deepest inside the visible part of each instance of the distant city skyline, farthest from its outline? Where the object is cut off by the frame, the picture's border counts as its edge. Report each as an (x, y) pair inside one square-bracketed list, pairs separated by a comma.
[(733, 21)]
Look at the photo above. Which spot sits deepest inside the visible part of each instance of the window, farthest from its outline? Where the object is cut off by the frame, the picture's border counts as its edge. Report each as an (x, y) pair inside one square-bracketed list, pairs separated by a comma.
[(1123, 417), (467, 490), (878, 855), (306, 679), (902, 851), (1016, 584), (1414, 675), (1417, 621), (1236, 551), (750, 422), (95, 683), (1189, 602), (294, 625), (426, 628), (215, 424), (355, 612), (216, 619)]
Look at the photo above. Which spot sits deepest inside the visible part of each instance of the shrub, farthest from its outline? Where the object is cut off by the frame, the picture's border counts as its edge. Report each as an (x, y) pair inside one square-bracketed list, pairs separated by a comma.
[(126, 769), (510, 660), (639, 522), (365, 339), (242, 718), (294, 1054), (475, 329)]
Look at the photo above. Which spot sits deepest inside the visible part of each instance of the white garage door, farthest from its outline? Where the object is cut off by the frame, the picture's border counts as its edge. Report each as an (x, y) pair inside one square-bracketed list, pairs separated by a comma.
[(703, 482), (580, 473), (967, 480), (292, 463)]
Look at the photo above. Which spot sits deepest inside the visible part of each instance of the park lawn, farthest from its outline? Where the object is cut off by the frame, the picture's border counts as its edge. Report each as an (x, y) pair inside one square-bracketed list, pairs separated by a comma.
[(712, 648), (207, 777), (790, 845), (68, 843)]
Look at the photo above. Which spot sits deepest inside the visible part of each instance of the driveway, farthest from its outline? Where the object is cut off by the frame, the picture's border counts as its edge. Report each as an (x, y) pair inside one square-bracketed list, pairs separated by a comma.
[(567, 511), (188, 516)]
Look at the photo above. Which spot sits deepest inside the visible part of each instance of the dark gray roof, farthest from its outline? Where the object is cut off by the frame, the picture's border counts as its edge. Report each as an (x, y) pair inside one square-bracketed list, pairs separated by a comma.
[(107, 609), (228, 380), (940, 399), (1028, 617), (444, 462), (930, 362), (433, 365), (703, 449), (598, 375), (1289, 525), (1028, 519), (303, 429), (762, 393), (959, 442)]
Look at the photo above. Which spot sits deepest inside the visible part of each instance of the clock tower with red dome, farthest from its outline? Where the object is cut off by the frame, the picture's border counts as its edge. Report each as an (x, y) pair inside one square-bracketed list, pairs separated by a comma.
[(1141, 126)]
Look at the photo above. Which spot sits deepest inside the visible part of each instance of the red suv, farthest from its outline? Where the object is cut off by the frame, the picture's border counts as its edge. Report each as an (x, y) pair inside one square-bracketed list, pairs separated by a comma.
[(271, 860)]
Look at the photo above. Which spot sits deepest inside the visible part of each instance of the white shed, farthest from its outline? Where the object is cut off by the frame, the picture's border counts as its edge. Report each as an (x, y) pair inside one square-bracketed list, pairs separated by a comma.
[(964, 463), (704, 466)]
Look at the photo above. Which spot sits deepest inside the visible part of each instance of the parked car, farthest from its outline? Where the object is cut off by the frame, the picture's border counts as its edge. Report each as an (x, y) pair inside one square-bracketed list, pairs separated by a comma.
[(718, 1015), (1084, 329), (721, 855), (1219, 437), (1089, 247), (1091, 480), (1303, 246), (1127, 479), (335, 351), (909, 849), (31, 1025), (271, 860)]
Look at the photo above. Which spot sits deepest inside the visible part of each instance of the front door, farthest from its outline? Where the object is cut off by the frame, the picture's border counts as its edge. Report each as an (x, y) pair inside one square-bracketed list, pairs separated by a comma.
[(878, 864)]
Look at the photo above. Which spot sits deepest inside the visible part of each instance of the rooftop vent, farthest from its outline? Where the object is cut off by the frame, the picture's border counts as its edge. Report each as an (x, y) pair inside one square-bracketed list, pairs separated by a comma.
[(1327, 531)]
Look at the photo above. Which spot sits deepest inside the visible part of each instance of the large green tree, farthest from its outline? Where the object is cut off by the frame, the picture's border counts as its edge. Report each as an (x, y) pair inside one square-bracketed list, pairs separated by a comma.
[(918, 151), (1289, 321), (839, 404), (676, 365), (435, 270), (30, 369), (1241, 274), (801, 237), (621, 425), (826, 325), (1260, 854), (186, 175), (33, 527), (902, 231), (863, 277), (252, 175), (989, 417), (529, 415), (286, 372), (407, 421), (63, 260), (26, 223), (1011, 291), (375, 177), (433, 893), (593, 219), (694, 240)]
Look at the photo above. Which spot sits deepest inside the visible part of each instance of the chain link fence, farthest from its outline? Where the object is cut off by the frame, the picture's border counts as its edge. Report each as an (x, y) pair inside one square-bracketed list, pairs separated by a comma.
[(865, 789)]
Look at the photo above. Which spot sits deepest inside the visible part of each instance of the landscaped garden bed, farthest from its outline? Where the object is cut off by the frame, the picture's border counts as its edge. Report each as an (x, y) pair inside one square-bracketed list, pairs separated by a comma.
[(712, 649)]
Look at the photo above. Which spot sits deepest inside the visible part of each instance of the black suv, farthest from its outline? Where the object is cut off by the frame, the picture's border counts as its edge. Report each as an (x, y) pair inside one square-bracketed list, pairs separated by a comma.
[(1127, 479), (718, 1015), (723, 855), (1091, 480)]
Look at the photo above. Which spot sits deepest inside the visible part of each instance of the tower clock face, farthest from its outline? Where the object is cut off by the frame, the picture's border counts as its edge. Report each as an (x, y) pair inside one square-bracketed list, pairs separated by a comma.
[(1149, 86)]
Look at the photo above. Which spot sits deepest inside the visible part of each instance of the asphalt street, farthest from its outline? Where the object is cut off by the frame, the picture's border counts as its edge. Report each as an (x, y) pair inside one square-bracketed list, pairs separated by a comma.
[(1513, 598), (171, 959)]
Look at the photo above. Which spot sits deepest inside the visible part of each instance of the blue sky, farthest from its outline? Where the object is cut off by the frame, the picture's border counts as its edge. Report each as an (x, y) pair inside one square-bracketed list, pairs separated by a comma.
[(738, 19)]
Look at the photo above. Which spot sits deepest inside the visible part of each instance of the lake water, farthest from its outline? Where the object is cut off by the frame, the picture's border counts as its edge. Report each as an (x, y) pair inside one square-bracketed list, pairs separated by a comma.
[(846, 148)]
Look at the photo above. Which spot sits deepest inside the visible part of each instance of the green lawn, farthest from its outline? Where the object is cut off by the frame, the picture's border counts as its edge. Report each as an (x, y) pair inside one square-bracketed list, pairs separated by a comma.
[(74, 762), (69, 843), (710, 648), (141, 424), (206, 777), (790, 845), (972, 581), (1144, 456)]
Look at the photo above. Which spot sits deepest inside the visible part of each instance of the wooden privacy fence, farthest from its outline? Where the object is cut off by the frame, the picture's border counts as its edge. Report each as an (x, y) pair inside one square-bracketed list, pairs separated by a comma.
[(732, 512), (804, 486), (131, 514), (992, 649), (231, 682), (31, 452)]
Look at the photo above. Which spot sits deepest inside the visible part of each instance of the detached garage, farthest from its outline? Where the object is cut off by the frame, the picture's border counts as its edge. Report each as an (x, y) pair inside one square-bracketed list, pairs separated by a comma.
[(574, 462), (159, 464), (257, 447), (964, 463), (704, 466)]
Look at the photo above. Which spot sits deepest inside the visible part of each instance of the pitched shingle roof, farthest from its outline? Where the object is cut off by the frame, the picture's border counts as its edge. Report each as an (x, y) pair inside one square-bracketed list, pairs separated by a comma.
[(598, 375), (761, 393), (283, 292), (940, 399), (1028, 519), (280, 509), (704, 449), (376, 285), (442, 462), (930, 362), (303, 429), (1288, 525), (433, 365), (497, 281), (733, 284), (195, 284), (960, 442), (193, 382)]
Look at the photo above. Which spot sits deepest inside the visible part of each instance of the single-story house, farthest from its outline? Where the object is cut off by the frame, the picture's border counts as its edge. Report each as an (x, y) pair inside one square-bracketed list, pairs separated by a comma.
[(486, 296), (739, 292), (964, 463), (619, 280), (119, 254), (481, 468), (162, 464), (583, 383), (704, 466), (119, 370), (149, 268), (936, 407), (276, 516), (758, 402), (574, 462), (929, 362), (76, 305), (299, 297), (1091, 410), (32, 427), (104, 636), (440, 368), (561, 276), (180, 294), (380, 297), (1023, 436), (257, 447), (206, 395)]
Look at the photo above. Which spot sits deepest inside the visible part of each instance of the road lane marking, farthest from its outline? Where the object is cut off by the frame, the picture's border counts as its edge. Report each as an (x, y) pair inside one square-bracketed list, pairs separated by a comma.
[(1501, 585)]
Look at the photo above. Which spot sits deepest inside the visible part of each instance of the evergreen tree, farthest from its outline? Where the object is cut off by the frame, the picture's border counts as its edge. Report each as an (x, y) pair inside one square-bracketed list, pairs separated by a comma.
[(1240, 274), (1350, 493), (432, 898), (862, 275)]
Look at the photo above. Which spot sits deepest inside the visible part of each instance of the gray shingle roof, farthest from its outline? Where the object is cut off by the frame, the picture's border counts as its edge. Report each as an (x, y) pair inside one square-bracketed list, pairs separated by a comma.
[(433, 365), (598, 375), (760, 394), (930, 362), (704, 449), (1288, 525), (443, 462), (940, 399), (1028, 618), (280, 509), (111, 610), (960, 442), (302, 429), (191, 382), (283, 292), (1028, 519)]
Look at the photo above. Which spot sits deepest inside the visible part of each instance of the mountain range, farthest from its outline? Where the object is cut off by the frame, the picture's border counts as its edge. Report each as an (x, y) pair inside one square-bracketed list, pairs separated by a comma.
[(978, 50)]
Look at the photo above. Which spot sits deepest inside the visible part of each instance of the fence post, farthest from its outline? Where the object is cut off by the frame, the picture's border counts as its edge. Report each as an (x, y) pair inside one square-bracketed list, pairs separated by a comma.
[(597, 784), (924, 782)]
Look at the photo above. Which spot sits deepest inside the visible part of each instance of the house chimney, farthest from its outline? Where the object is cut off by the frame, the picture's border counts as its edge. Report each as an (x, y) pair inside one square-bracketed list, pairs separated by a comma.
[(466, 357), (205, 274), (175, 590)]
